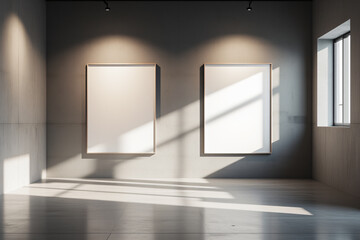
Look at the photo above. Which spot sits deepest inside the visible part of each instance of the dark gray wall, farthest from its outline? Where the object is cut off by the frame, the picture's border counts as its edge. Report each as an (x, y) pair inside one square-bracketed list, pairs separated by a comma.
[(336, 149), (22, 92), (180, 37)]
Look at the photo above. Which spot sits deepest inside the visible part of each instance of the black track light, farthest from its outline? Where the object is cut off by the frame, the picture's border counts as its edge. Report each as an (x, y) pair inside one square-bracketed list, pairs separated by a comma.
[(249, 8), (107, 8)]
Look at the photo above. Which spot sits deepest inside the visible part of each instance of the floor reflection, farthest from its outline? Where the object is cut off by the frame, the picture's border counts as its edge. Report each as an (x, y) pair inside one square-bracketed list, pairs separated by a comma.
[(171, 209)]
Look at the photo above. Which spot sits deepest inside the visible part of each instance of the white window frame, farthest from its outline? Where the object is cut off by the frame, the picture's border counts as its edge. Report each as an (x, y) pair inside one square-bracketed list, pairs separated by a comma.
[(342, 51)]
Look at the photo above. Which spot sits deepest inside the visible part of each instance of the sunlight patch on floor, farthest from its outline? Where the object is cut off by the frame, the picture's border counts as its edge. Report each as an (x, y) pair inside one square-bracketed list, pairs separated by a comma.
[(166, 196)]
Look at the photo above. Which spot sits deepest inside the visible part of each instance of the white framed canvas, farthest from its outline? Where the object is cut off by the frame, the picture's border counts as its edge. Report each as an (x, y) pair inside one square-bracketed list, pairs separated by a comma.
[(237, 109), (121, 108)]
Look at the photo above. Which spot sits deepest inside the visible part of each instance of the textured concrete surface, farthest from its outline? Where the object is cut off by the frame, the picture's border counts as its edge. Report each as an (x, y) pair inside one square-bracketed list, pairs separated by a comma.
[(22, 92)]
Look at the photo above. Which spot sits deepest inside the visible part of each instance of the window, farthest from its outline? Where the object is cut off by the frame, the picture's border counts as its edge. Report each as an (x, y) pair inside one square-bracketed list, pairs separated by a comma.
[(333, 77), (342, 80)]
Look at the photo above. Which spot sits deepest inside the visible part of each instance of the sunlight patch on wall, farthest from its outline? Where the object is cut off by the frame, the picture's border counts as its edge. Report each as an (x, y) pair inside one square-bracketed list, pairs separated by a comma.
[(43, 174), (16, 172)]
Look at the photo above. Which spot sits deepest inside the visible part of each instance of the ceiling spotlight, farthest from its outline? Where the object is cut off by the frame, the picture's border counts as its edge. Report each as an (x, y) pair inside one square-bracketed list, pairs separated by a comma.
[(249, 8), (107, 8)]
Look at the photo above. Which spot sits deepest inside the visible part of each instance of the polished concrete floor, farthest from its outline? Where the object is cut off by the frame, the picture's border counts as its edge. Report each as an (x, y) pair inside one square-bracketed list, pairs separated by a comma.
[(175, 209)]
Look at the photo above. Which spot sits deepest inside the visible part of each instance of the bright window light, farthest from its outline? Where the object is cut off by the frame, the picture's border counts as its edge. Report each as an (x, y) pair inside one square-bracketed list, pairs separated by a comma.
[(342, 80), (333, 77)]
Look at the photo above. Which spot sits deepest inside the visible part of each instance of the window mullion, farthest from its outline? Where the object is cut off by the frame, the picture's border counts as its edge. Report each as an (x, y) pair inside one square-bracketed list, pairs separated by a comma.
[(343, 79)]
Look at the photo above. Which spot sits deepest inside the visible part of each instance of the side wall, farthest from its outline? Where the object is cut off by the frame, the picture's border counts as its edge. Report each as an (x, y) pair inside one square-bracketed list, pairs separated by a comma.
[(336, 150), (180, 37), (22, 92)]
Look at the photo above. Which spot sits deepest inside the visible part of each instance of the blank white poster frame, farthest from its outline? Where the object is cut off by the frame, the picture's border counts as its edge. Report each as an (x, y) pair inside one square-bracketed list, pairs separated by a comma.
[(120, 109), (237, 109)]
